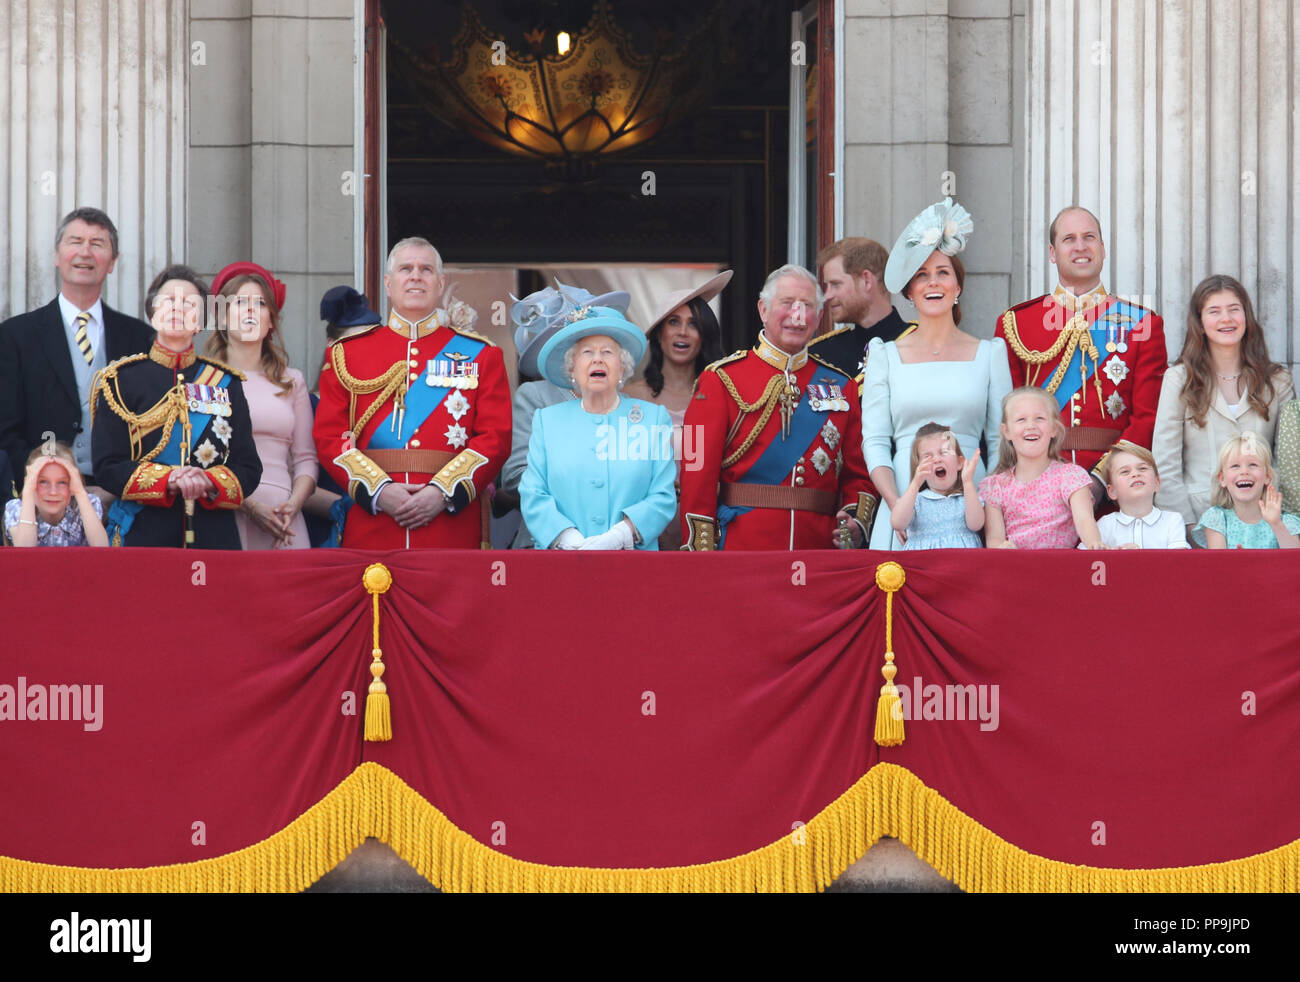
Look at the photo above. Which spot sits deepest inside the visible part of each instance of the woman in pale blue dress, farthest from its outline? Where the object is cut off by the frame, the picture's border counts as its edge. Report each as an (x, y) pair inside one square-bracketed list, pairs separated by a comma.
[(934, 372)]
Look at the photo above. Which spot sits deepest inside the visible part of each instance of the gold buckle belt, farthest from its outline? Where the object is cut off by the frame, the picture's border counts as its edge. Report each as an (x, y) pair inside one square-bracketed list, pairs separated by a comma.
[(778, 496)]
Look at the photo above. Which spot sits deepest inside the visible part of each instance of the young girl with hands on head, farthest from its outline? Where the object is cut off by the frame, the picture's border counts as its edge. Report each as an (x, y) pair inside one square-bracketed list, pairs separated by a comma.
[(940, 508), (1035, 500), (1247, 507), (55, 509)]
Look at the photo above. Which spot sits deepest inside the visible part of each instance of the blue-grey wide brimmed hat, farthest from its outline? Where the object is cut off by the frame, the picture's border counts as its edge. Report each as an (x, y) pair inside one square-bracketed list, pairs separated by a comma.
[(539, 315), (587, 322), (943, 226)]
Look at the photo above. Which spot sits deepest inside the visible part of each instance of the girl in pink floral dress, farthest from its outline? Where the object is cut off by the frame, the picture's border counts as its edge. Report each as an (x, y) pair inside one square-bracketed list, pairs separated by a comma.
[(1035, 500)]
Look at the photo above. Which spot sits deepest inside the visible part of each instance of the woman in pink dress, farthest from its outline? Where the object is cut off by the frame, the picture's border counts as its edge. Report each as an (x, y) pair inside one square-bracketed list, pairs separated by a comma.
[(249, 300)]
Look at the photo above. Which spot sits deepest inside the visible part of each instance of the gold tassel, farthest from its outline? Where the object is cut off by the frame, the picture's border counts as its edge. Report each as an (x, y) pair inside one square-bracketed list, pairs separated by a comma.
[(889, 708), (379, 721)]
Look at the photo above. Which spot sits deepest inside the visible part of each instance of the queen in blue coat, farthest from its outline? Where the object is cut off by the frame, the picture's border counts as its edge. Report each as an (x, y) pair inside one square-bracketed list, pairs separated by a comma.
[(600, 470)]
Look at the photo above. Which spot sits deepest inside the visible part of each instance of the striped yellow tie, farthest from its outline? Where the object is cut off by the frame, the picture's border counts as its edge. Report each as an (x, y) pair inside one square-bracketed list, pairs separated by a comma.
[(83, 342)]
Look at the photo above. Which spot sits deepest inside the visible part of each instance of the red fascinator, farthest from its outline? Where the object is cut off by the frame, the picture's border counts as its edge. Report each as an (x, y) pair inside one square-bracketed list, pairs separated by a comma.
[(246, 268)]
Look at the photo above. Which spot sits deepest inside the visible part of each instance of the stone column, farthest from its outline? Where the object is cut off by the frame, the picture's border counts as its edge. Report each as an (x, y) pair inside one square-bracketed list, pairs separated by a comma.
[(271, 148), (92, 112), (934, 104), (1171, 121)]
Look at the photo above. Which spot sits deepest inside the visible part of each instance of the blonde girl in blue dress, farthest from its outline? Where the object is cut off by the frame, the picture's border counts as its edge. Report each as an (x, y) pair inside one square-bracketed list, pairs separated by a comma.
[(1246, 510), (941, 508)]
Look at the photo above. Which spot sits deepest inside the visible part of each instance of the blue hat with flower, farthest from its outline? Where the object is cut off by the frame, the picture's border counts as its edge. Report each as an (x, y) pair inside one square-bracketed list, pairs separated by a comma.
[(943, 226), (587, 322), (539, 315)]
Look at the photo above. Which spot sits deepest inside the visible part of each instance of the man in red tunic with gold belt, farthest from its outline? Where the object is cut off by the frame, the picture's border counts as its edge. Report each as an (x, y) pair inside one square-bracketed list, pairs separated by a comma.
[(779, 439), (414, 416), (1101, 356)]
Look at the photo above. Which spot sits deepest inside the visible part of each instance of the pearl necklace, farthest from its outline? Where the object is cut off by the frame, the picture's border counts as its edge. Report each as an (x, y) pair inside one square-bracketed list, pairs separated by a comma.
[(1229, 378)]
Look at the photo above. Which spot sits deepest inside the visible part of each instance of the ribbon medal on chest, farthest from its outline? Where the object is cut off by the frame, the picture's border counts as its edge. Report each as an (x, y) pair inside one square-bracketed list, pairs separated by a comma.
[(827, 398), (212, 400), (455, 371)]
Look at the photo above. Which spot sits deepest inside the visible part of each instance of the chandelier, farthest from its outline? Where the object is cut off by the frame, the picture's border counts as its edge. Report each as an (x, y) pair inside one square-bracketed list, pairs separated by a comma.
[(572, 97)]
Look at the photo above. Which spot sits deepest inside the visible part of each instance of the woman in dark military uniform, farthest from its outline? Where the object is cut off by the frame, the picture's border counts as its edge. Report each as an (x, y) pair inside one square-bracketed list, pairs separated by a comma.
[(171, 435)]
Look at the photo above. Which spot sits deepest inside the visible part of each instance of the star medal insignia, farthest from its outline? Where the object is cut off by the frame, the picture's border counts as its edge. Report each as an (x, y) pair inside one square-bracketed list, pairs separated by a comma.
[(821, 460), (206, 453), (456, 436), (635, 415), (1115, 370), (1115, 406), (830, 434), (457, 405), (221, 430)]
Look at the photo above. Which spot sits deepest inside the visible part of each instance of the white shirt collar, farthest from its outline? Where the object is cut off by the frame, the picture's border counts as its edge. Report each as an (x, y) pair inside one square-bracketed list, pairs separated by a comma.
[(69, 310), (1148, 519)]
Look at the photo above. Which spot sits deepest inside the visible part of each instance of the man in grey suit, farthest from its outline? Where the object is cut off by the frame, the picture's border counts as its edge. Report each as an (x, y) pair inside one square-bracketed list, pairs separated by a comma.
[(536, 317), (49, 355)]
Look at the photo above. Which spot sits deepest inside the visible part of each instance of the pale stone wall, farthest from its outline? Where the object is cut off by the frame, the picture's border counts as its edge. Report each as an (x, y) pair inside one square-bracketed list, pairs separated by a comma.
[(92, 113), (935, 86), (1173, 120), (271, 150)]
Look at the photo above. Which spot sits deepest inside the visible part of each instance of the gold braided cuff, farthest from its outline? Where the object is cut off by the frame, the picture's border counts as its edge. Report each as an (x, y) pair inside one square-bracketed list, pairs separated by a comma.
[(460, 471), (361, 470), (866, 510), (148, 484), (703, 537), (229, 492)]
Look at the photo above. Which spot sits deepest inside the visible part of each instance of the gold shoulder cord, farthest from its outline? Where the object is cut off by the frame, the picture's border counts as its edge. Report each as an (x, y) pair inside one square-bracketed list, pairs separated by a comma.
[(767, 401), (165, 412), (391, 384), (1073, 335)]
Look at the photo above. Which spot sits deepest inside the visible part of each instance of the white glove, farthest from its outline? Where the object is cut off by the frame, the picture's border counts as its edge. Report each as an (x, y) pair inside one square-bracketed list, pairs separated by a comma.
[(570, 538), (619, 537)]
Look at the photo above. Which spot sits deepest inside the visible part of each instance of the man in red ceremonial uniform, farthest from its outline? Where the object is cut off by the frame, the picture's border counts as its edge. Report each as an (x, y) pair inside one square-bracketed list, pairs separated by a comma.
[(414, 416), (780, 438), (1102, 357)]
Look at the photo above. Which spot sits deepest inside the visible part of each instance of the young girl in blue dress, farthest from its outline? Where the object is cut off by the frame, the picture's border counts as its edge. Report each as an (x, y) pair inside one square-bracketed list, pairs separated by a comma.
[(940, 508), (1246, 510)]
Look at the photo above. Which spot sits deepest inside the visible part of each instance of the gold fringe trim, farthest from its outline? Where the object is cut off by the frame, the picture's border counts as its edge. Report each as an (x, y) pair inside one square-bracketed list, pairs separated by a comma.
[(888, 800)]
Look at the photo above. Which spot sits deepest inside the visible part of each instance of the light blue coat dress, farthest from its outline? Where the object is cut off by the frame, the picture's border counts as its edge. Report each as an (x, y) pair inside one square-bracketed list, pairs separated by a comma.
[(589, 471), (899, 398)]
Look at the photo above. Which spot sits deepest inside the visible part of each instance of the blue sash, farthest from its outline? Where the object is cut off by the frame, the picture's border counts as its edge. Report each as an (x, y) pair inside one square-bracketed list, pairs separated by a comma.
[(1080, 369), (775, 463), (422, 399), (121, 514)]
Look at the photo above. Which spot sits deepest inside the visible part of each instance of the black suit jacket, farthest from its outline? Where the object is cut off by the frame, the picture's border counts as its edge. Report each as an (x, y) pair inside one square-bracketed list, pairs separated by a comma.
[(38, 390)]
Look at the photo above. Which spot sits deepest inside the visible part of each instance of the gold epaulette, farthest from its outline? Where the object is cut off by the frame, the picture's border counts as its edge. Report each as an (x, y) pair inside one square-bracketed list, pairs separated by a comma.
[(106, 375), (466, 332), (224, 367), (826, 364), (356, 333), (831, 334), (734, 356)]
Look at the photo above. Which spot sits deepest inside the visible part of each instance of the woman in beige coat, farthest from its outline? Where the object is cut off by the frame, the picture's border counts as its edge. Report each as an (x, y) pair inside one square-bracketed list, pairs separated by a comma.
[(1222, 384)]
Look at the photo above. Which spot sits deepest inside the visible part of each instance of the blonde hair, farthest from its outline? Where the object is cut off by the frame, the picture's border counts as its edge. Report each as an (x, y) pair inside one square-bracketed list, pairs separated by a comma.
[(60, 451), (1247, 442), (936, 429), (1124, 446), (1006, 451)]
